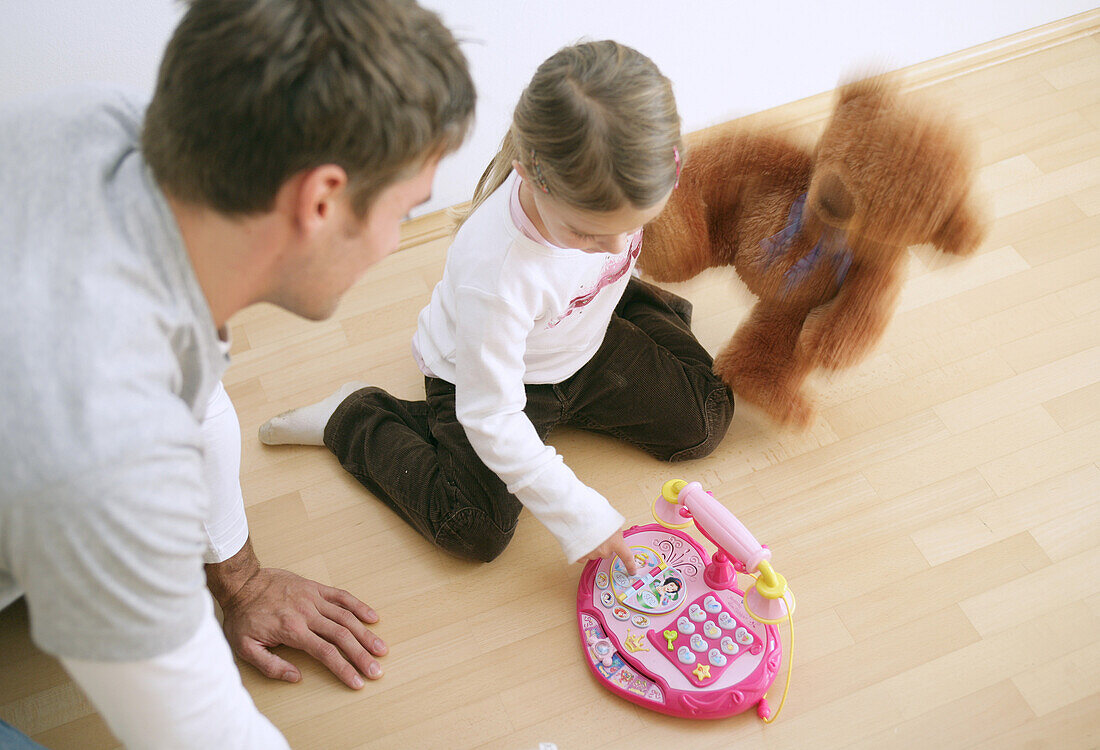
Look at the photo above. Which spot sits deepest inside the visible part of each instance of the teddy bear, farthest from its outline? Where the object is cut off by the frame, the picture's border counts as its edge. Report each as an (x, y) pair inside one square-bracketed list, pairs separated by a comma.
[(818, 234)]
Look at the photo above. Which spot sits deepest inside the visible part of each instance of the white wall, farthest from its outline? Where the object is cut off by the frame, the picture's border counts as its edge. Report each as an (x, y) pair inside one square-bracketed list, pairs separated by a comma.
[(47, 43), (725, 58)]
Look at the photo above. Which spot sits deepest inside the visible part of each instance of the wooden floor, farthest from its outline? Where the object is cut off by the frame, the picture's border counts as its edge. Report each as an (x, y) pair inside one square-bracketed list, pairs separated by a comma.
[(940, 522)]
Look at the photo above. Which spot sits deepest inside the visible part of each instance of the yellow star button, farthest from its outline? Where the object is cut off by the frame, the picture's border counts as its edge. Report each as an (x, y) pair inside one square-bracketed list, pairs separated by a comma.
[(702, 672)]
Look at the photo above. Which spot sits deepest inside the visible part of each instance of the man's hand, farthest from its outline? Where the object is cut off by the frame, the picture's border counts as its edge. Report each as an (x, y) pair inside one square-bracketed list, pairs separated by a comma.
[(616, 545), (268, 607)]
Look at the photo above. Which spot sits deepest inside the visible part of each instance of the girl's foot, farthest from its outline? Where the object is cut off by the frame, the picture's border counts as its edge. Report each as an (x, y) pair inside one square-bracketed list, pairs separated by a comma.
[(305, 425)]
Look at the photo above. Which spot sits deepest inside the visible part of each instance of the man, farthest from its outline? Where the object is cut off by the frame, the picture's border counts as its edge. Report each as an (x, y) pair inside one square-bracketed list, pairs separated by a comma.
[(284, 143)]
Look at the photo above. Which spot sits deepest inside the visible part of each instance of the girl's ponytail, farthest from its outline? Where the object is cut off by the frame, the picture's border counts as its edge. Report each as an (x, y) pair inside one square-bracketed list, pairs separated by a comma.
[(598, 124), (492, 178)]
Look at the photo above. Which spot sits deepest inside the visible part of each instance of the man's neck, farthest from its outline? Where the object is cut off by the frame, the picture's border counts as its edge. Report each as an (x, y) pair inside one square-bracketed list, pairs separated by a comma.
[(226, 255)]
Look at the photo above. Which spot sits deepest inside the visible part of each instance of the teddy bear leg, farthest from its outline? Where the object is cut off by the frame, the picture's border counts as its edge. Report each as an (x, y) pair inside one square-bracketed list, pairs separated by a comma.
[(963, 230), (760, 366)]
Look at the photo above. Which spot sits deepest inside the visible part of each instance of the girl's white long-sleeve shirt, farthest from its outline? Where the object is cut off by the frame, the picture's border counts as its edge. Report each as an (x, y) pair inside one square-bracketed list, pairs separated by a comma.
[(510, 311)]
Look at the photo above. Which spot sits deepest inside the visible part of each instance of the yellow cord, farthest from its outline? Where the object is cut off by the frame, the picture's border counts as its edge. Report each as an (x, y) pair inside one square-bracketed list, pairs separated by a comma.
[(790, 664)]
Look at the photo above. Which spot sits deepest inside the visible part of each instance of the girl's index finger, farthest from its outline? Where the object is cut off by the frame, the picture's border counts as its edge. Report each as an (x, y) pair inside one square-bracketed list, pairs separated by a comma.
[(623, 552)]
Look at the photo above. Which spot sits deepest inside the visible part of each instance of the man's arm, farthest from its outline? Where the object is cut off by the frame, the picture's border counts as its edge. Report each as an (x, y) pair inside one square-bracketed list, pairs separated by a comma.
[(187, 698), (268, 607), (226, 527)]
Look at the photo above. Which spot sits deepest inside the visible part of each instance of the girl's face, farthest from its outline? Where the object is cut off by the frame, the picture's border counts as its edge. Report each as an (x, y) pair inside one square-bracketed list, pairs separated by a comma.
[(590, 231)]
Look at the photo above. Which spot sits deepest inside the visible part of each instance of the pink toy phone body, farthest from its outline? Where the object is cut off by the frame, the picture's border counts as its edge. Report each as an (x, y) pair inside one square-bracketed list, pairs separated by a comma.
[(667, 641)]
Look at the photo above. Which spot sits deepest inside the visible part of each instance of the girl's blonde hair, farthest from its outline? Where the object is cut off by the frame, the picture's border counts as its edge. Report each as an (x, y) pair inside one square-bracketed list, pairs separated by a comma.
[(597, 128)]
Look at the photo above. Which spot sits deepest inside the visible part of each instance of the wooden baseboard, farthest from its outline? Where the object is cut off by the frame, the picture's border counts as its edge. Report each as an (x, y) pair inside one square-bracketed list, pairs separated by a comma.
[(816, 108), (437, 224), (429, 227), (1004, 49)]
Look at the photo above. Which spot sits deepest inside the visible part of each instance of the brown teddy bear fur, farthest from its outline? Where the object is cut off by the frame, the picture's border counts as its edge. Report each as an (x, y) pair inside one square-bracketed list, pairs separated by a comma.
[(886, 173)]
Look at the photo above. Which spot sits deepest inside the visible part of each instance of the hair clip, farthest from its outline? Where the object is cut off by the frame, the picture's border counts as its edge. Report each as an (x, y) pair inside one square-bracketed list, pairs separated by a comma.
[(539, 179), (676, 156)]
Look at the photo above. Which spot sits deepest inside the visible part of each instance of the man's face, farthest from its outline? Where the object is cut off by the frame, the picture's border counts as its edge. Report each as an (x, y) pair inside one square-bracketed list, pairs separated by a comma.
[(335, 258)]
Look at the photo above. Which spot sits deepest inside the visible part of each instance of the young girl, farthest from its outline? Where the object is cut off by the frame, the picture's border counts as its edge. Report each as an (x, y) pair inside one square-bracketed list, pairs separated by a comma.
[(538, 322)]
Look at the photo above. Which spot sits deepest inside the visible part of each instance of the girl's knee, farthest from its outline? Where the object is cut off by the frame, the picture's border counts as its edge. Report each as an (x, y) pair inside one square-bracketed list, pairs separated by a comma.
[(704, 434), (472, 535)]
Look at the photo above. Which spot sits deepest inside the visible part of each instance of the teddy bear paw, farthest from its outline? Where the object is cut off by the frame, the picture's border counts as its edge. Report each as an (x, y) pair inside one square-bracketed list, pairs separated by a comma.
[(791, 410), (824, 347)]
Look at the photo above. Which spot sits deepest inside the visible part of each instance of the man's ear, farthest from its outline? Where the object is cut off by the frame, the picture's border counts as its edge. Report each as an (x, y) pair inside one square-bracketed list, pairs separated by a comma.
[(319, 191)]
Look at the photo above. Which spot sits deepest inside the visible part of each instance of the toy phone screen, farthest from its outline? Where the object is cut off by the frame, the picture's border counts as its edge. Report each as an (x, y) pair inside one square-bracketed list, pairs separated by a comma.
[(656, 588)]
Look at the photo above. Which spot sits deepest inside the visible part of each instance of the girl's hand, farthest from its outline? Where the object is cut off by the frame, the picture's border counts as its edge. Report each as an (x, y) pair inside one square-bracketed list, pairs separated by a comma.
[(616, 545)]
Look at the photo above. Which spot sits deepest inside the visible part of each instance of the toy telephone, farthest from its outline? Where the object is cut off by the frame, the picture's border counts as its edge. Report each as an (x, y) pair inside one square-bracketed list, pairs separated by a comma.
[(679, 637)]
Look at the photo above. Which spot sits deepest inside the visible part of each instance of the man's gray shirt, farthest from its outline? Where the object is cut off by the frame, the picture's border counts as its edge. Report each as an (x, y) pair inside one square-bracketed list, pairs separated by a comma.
[(108, 354)]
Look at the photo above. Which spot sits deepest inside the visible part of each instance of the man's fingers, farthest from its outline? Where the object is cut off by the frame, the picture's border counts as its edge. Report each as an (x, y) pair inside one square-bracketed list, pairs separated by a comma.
[(351, 603), (352, 649), (370, 641), (328, 654), (326, 650), (269, 664)]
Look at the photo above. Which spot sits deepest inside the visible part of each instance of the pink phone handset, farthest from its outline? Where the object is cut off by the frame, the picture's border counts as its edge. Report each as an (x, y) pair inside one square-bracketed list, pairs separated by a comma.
[(700, 647), (765, 599)]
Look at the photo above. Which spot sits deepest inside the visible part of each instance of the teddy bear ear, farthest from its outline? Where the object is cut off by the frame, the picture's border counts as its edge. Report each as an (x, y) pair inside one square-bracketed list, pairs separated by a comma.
[(878, 85), (962, 231), (833, 200)]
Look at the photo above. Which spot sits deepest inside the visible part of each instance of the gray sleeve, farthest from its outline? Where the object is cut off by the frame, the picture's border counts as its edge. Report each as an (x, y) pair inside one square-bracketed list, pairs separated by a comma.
[(106, 346), (112, 568)]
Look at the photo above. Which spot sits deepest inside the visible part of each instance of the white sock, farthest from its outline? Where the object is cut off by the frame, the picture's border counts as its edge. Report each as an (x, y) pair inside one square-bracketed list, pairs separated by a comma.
[(305, 425)]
